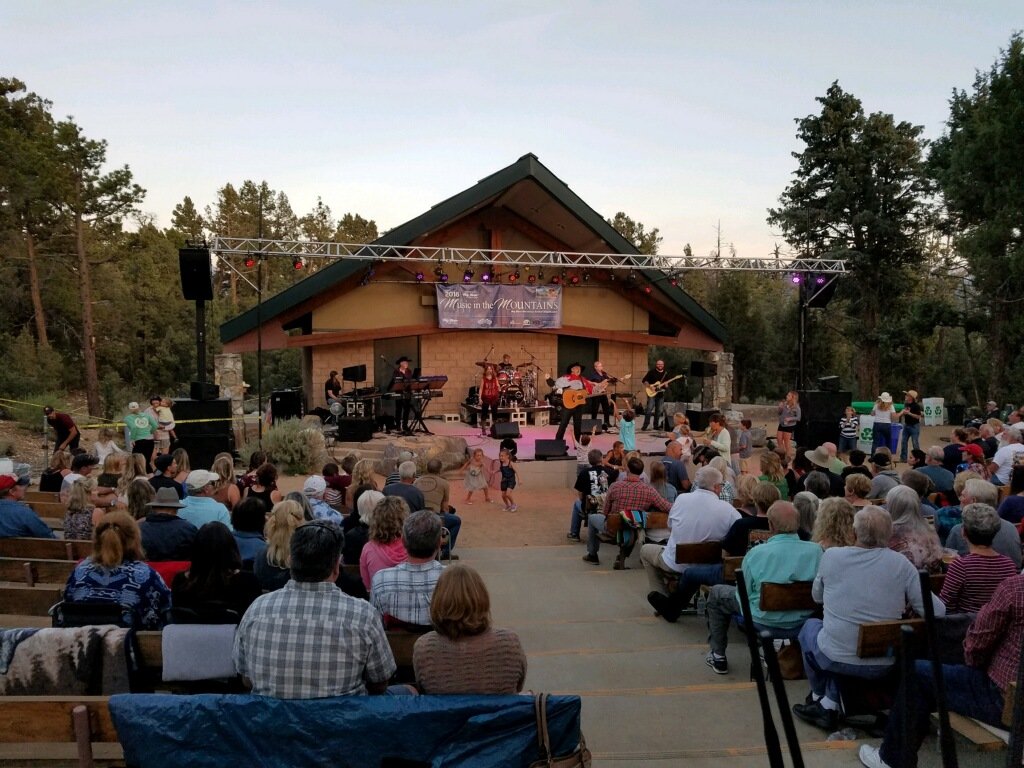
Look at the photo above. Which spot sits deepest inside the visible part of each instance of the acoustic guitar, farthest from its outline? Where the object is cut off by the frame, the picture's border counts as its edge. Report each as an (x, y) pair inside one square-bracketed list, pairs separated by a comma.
[(656, 387), (573, 398)]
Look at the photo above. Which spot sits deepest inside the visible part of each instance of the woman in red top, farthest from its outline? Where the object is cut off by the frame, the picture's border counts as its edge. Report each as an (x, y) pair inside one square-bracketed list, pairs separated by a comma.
[(490, 393)]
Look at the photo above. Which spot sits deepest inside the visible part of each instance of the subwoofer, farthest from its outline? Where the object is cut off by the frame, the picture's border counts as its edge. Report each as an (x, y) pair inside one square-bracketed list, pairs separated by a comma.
[(504, 429), (204, 429), (550, 449), (355, 430)]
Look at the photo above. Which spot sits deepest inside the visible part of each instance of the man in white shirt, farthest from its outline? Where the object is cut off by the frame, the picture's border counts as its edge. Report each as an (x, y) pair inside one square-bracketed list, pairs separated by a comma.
[(1011, 453), (694, 517)]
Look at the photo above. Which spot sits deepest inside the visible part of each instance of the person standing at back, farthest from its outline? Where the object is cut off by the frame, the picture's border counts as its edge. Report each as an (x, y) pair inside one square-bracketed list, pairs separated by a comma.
[(656, 375), (883, 414)]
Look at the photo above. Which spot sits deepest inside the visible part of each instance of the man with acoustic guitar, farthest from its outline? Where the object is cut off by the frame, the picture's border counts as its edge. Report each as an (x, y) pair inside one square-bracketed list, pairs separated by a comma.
[(575, 391), (656, 381)]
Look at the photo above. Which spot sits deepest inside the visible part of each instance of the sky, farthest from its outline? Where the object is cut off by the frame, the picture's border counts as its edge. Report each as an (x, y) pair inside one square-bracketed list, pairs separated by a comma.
[(679, 113)]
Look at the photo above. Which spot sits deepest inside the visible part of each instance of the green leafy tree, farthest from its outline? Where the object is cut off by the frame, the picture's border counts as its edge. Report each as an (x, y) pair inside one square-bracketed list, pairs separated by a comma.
[(860, 194), (353, 228), (646, 241), (319, 225), (979, 166), (95, 203), (187, 220)]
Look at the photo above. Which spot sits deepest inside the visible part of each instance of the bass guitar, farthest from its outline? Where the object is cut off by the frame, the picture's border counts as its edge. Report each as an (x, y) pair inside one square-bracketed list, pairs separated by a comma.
[(656, 387)]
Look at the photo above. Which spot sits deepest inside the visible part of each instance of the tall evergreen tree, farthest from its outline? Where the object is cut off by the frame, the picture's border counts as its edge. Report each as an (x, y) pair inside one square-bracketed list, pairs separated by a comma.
[(187, 220)]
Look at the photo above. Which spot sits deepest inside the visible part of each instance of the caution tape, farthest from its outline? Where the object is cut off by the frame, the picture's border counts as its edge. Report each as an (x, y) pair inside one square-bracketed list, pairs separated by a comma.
[(103, 423)]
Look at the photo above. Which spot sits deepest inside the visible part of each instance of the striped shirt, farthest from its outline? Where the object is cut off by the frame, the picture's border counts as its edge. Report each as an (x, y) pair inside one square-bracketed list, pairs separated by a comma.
[(972, 579)]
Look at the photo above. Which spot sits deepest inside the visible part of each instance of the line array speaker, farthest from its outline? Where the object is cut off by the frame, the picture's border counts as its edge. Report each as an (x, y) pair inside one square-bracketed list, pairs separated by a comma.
[(196, 278)]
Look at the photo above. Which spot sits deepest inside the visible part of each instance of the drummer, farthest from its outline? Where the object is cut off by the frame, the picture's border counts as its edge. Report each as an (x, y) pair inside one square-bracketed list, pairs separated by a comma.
[(505, 366)]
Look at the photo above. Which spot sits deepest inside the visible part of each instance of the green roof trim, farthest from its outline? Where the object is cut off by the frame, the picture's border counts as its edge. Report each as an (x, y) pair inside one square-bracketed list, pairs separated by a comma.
[(526, 167)]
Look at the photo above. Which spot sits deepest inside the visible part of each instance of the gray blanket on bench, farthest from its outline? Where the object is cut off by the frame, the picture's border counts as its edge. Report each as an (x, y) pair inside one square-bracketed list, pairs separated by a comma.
[(88, 661)]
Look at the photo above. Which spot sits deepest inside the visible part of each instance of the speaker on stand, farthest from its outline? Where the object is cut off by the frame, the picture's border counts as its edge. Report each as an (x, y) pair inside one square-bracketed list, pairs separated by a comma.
[(204, 429)]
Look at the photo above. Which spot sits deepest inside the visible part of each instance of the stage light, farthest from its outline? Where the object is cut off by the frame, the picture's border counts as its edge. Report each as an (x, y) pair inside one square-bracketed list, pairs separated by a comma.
[(444, 277), (486, 277), (419, 276), (438, 271), (513, 276), (586, 277), (796, 279), (250, 262), (540, 275), (467, 276), (298, 262), (632, 276), (611, 277), (556, 280), (674, 282), (820, 280), (531, 279), (575, 279), (647, 289)]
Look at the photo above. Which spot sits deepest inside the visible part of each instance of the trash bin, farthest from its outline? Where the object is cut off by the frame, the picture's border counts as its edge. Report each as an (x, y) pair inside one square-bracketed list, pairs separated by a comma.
[(866, 435), (955, 414), (894, 438)]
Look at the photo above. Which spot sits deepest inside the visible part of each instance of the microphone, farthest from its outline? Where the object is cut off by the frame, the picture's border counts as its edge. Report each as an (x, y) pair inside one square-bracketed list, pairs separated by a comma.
[(383, 358)]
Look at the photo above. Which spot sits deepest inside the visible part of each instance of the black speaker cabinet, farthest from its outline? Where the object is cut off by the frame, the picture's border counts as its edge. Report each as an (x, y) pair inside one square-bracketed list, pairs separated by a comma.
[(823, 405), (286, 404), (593, 424), (811, 434), (355, 430), (204, 390), (550, 449), (356, 373), (196, 279), (204, 429), (503, 429), (699, 420), (828, 383), (703, 370)]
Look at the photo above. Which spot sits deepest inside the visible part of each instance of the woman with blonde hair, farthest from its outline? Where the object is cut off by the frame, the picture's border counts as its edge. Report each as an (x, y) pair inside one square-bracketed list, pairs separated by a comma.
[(226, 492), (81, 513), (184, 467), (833, 526), (104, 494), (363, 474), (789, 417), (53, 476), (660, 483), (884, 414), (384, 548), (272, 561), (465, 654), (744, 501), (134, 467), (772, 472), (140, 493), (116, 573), (858, 488)]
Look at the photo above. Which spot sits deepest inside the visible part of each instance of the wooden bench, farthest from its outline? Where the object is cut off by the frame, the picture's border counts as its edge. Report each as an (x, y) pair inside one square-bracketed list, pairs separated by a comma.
[(32, 572), (794, 596), (48, 508), (46, 722), (700, 553), (877, 639), (45, 549), (29, 601), (45, 496), (654, 520), (730, 565)]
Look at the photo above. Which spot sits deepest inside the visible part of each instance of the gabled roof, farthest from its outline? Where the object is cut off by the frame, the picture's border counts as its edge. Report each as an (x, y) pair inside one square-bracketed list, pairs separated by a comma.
[(527, 167)]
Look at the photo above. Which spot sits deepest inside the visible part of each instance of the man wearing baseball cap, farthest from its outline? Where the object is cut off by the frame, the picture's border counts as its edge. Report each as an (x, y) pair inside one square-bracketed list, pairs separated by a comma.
[(911, 416), (313, 489), (17, 519), (200, 506), (65, 430)]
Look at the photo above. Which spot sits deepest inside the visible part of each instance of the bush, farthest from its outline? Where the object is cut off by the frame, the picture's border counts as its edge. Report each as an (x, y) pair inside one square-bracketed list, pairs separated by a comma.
[(29, 413), (296, 448), (26, 366)]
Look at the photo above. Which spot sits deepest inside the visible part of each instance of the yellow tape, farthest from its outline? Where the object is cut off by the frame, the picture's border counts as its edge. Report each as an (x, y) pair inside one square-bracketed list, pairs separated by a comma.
[(176, 421)]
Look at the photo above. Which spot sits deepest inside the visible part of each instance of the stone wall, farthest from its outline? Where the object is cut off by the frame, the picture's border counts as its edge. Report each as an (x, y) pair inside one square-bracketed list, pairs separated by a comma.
[(227, 374)]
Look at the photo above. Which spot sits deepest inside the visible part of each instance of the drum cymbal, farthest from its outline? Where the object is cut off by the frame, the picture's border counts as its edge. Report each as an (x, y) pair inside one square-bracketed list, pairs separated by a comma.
[(484, 364), (524, 365)]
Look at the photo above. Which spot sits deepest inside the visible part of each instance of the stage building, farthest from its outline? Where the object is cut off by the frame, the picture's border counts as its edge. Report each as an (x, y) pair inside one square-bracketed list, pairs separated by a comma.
[(342, 315)]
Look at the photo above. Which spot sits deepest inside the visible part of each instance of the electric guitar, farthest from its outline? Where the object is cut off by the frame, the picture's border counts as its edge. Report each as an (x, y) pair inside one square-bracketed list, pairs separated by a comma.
[(656, 387), (601, 387)]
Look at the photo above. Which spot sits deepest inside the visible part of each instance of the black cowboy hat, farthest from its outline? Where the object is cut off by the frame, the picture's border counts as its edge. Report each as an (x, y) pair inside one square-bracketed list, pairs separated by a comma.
[(568, 368), (402, 359)]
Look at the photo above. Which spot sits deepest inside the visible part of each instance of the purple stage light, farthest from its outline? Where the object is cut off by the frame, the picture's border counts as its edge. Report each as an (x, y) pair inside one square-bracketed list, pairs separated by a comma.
[(796, 279), (486, 277), (819, 280), (419, 276)]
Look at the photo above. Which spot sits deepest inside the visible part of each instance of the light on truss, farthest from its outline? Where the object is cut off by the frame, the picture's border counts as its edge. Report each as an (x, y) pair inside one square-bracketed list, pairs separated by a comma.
[(250, 262), (486, 277), (420, 276), (298, 262), (531, 279), (467, 276), (513, 276), (574, 280), (796, 279), (443, 277)]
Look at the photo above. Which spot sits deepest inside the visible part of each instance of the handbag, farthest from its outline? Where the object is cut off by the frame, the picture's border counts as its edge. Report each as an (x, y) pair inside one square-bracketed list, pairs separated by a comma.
[(579, 757)]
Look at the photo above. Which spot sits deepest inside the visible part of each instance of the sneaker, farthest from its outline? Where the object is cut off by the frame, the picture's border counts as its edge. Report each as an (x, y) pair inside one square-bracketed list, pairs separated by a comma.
[(871, 757), (592, 559), (719, 664), (513, 508), (573, 537), (620, 565), (660, 604), (815, 714)]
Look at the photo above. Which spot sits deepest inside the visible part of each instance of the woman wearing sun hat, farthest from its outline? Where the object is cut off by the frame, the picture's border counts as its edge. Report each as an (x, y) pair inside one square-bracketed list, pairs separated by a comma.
[(883, 413), (911, 416)]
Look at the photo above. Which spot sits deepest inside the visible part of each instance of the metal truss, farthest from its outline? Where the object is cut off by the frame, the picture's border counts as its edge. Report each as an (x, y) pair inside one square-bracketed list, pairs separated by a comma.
[(249, 247)]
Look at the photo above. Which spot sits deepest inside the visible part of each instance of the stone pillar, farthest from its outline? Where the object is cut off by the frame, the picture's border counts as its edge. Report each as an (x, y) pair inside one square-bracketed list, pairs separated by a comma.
[(721, 386), (227, 373)]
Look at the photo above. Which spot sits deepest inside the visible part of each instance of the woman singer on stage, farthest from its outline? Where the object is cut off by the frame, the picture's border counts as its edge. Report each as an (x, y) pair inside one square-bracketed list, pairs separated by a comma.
[(490, 393)]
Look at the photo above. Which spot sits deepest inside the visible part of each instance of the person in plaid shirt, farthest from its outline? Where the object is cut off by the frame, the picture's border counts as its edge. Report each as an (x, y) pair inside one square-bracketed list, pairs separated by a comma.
[(310, 640), (977, 689), (629, 493), (402, 593)]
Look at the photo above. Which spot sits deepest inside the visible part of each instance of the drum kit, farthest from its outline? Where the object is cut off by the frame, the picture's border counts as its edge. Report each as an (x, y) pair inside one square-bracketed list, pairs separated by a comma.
[(517, 387)]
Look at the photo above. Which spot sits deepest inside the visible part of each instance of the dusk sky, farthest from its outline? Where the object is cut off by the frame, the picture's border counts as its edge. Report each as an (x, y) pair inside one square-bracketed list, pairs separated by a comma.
[(680, 114)]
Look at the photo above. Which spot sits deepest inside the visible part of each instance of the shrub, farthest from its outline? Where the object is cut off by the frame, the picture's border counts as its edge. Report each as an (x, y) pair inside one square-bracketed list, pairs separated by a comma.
[(29, 413), (297, 449)]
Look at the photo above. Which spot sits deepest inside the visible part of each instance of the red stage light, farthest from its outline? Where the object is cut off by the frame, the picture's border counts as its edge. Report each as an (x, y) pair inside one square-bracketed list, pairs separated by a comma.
[(250, 262), (575, 279), (532, 279), (556, 280), (647, 289), (298, 262)]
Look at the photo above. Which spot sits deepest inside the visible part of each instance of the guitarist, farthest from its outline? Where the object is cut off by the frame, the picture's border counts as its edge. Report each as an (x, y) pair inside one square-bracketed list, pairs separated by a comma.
[(572, 380), (654, 378), (601, 401)]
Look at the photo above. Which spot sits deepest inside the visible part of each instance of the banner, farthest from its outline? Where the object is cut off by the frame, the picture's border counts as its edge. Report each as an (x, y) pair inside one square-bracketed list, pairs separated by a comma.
[(486, 306)]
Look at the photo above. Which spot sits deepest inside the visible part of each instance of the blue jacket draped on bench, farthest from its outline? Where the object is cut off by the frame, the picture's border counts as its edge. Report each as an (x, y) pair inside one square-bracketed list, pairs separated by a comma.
[(212, 731)]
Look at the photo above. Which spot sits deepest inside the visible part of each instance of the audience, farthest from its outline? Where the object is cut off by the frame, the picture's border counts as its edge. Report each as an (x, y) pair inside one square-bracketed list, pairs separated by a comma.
[(134, 469), (200, 506), (833, 525), (675, 467), (744, 500), (858, 584), (314, 489), (357, 525), (436, 491), (1008, 456), (348, 654), (772, 472), (17, 519), (728, 492), (300, 498), (884, 477), (81, 514), (337, 481), (53, 476), (271, 562), (465, 654), (856, 466), (215, 582), (912, 536), (816, 483), (384, 547), (263, 485), (782, 559), (363, 474), (592, 484), (248, 520), (402, 593), (404, 488), (115, 573), (140, 493), (942, 478), (823, 461), (105, 493), (165, 535), (166, 471), (973, 578), (806, 503), (226, 489), (1007, 540), (857, 489), (1012, 507)]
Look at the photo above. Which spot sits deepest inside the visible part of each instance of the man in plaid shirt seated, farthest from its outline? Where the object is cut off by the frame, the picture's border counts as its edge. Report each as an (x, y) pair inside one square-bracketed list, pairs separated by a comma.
[(402, 594), (310, 640)]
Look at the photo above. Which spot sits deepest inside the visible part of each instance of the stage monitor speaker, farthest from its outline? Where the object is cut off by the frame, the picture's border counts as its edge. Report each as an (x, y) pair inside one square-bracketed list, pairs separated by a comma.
[(356, 373), (593, 424), (699, 420), (196, 279), (204, 390), (204, 429), (502, 429), (286, 404), (822, 405), (703, 370), (355, 430), (810, 434), (550, 449), (828, 383)]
